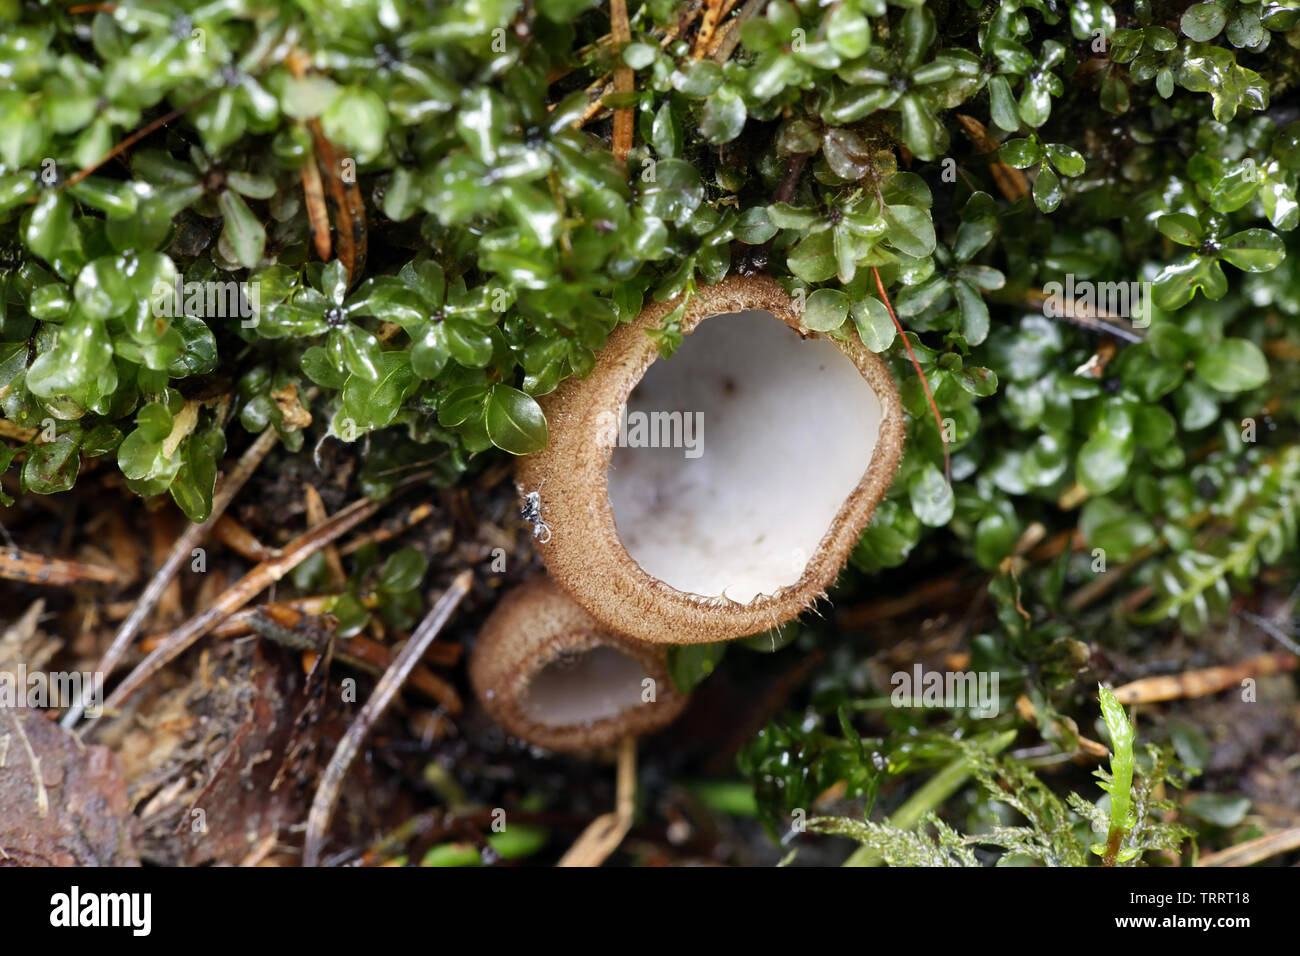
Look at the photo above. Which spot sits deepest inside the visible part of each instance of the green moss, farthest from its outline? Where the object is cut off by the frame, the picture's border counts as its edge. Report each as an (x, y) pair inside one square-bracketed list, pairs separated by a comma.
[(503, 243)]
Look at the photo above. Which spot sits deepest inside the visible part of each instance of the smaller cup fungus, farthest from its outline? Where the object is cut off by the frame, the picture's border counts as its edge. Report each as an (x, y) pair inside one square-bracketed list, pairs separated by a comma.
[(549, 674), (717, 493)]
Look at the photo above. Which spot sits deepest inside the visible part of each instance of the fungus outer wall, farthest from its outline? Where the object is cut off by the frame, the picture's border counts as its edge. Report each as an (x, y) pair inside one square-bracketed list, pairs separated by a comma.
[(549, 674), (784, 429), (801, 436)]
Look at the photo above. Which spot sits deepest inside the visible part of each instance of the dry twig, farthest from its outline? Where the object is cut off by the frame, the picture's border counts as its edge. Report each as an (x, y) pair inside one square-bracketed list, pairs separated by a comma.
[(1200, 683), (714, 11), (1010, 181), (606, 832), (316, 515), (729, 37), (240, 593), (240, 540), (410, 520), (327, 793), (1253, 851), (31, 568), (180, 553)]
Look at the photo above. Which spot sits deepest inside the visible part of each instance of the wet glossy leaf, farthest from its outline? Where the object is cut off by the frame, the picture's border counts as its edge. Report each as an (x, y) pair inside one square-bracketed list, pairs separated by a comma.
[(1104, 460), (973, 311), (374, 402), (430, 351), (848, 31), (699, 79), (813, 259), (873, 323), (49, 225), (308, 96), (1020, 153), (931, 496), (1181, 228), (357, 119), (1002, 105), (1047, 189), (1203, 21), (463, 404), (515, 422), (971, 238), (921, 130), (52, 467), (846, 153), (154, 422), (193, 486), (755, 226), (825, 310), (1176, 285), (403, 571), (321, 369), (117, 200), (1067, 160), (676, 191), (358, 349), (911, 230), (723, 116), (639, 55), (243, 230), (467, 343), (1233, 365), (1253, 250)]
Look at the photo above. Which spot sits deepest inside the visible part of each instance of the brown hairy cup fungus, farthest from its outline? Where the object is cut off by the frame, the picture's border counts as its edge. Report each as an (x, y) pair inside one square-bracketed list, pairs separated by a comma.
[(717, 493), (549, 674)]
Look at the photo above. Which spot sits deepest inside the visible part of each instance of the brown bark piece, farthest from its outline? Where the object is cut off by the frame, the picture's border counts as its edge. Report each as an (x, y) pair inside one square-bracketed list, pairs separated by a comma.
[(61, 804)]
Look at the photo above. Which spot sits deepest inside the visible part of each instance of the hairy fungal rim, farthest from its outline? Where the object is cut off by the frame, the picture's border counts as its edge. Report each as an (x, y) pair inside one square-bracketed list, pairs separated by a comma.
[(585, 553), (549, 674)]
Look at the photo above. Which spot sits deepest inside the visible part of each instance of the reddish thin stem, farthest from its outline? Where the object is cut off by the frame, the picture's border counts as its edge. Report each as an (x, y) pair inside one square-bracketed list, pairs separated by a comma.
[(134, 138), (929, 395)]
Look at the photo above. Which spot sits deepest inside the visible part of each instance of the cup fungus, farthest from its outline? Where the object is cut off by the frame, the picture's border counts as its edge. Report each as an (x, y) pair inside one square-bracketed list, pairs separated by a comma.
[(549, 674), (717, 493)]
